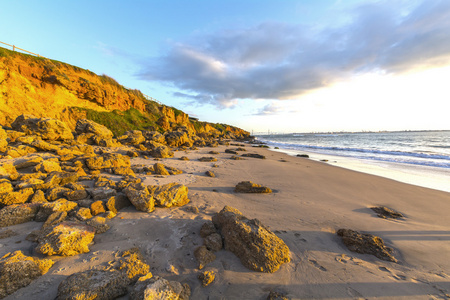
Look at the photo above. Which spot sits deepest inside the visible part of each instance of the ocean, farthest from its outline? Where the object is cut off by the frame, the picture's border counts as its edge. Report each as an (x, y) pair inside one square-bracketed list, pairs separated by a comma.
[(419, 156)]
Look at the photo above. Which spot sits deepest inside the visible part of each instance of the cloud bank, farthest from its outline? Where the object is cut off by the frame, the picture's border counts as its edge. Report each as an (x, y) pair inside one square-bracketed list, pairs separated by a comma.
[(279, 61)]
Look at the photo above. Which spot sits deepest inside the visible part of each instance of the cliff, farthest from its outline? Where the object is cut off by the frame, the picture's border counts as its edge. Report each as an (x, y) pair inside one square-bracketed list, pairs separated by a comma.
[(49, 88)]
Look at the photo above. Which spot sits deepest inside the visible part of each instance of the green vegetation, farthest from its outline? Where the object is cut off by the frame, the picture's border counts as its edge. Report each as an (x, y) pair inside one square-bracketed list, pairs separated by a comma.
[(120, 121)]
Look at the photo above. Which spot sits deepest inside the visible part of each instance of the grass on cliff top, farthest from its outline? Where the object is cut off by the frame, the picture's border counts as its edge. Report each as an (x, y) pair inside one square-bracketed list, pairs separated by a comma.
[(121, 121)]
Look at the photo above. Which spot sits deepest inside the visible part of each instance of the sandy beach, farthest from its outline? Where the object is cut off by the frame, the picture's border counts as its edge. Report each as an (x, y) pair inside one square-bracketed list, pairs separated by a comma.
[(310, 201)]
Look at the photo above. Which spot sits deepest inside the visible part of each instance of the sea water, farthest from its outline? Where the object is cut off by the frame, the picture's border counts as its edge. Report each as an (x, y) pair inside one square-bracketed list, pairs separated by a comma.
[(416, 157)]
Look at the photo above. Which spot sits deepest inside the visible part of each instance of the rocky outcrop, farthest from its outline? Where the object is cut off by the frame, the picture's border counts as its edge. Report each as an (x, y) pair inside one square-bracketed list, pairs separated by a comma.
[(366, 243), (206, 277), (46, 128), (18, 270), (65, 239), (250, 187), (257, 247), (85, 126)]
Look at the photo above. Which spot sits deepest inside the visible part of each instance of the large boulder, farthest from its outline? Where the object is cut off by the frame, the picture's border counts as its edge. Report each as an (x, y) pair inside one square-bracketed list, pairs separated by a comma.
[(18, 270), (154, 136), (88, 126), (158, 288), (65, 239), (170, 194), (49, 208), (108, 160), (46, 128), (140, 197), (132, 137), (258, 248), (18, 214), (366, 243)]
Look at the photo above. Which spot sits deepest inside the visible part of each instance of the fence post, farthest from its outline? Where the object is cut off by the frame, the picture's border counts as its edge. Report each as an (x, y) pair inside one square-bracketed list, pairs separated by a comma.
[(14, 48)]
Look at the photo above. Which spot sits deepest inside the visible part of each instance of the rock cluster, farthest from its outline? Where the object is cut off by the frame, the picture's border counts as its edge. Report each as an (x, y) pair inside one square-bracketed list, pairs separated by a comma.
[(386, 213)]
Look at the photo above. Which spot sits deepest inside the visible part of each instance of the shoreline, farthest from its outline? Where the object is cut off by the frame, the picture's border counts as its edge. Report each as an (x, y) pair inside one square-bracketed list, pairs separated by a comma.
[(424, 176)]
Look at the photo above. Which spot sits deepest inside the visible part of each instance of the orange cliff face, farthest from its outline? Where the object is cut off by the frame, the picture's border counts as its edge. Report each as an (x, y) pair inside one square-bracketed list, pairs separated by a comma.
[(41, 87)]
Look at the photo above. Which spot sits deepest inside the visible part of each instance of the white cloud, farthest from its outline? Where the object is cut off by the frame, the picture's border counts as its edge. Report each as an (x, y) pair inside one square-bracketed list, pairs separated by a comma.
[(283, 61)]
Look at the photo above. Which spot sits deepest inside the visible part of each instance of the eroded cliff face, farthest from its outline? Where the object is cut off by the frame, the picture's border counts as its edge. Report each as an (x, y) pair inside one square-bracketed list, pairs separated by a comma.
[(39, 86), (48, 88)]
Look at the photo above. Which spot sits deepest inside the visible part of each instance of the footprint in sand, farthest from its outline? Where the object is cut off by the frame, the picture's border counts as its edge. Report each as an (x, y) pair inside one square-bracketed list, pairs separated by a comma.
[(392, 275), (317, 265)]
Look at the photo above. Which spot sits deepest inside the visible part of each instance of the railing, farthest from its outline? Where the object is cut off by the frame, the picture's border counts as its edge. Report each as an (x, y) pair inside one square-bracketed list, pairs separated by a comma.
[(14, 47)]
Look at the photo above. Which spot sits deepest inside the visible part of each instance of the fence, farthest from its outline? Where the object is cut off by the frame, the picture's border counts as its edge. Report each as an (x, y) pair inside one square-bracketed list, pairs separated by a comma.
[(15, 47)]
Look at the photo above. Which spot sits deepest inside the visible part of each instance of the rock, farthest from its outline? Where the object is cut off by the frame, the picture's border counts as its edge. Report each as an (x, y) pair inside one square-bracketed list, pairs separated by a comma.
[(46, 128), (56, 193), (44, 146), (161, 151), (18, 214), (99, 223), (38, 197), (47, 166), (7, 170), (157, 288), (103, 193), (204, 256), (93, 284), (207, 159), (231, 151), (97, 207), (5, 186), (303, 155), (62, 178), (184, 158), (178, 139), (59, 205), (28, 162), (366, 244), (76, 195), (18, 270), (154, 136), (123, 171), (168, 195), (254, 155), (160, 169), (83, 214), (214, 242), (118, 202), (65, 239), (88, 126), (140, 197), (193, 209), (210, 174), (132, 263), (105, 284), (276, 296), (257, 247), (3, 141), (206, 277), (54, 219), (207, 229), (17, 197), (132, 137), (30, 183), (213, 152), (385, 213), (250, 187)]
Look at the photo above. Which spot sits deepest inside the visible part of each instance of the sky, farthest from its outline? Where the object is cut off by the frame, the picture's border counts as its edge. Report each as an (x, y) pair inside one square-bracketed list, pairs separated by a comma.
[(262, 65)]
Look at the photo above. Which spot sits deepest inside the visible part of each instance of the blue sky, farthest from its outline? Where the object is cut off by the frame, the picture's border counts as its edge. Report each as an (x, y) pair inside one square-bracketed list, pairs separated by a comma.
[(284, 66)]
